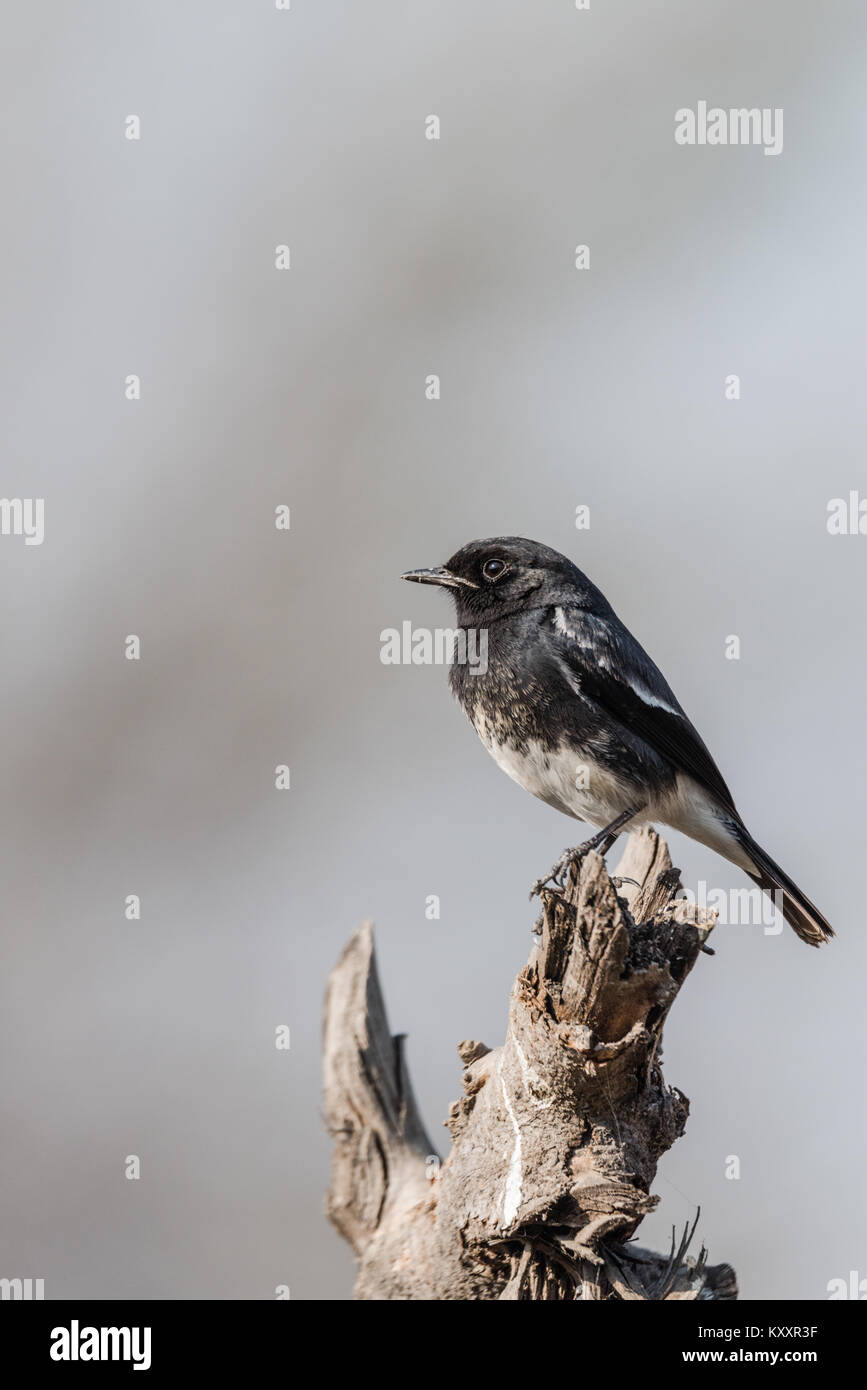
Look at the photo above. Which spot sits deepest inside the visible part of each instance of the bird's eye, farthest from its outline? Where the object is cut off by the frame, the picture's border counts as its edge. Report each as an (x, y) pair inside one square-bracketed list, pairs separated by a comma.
[(492, 569)]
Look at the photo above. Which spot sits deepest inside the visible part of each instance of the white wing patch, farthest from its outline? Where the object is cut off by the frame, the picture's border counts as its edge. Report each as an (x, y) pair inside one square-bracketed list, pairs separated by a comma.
[(650, 699), (563, 627), (600, 658)]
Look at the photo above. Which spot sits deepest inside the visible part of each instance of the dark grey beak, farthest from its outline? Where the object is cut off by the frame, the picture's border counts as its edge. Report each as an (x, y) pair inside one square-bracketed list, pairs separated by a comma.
[(439, 575)]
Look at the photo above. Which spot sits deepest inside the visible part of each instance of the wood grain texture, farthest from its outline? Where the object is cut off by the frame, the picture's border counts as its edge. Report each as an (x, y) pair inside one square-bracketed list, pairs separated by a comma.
[(556, 1138)]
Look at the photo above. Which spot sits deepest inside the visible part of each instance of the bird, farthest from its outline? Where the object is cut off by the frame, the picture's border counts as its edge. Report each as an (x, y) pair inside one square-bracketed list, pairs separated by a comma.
[(571, 706)]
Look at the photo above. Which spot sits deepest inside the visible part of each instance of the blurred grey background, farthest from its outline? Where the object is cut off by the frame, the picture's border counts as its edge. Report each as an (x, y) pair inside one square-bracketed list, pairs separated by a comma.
[(306, 387)]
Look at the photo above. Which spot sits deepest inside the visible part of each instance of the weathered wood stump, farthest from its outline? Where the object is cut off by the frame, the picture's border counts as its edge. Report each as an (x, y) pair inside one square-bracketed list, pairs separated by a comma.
[(556, 1139)]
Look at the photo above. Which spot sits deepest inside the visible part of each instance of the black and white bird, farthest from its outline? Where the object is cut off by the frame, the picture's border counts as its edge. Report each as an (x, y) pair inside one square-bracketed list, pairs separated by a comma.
[(573, 709)]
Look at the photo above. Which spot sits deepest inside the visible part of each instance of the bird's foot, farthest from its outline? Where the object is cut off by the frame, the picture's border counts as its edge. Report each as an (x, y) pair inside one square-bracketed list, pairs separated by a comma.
[(559, 872), (601, 842), (555, 874)]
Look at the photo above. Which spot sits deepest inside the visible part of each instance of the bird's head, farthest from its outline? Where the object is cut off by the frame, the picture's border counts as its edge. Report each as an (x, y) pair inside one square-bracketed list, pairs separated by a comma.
[(494, 578)]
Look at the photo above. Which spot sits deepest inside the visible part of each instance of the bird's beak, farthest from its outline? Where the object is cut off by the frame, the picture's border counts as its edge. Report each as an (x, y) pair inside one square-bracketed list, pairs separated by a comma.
[(439, 575)]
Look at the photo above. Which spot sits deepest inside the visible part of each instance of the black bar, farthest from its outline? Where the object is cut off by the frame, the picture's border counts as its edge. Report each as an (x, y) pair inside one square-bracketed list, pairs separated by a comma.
[(219, 1338)]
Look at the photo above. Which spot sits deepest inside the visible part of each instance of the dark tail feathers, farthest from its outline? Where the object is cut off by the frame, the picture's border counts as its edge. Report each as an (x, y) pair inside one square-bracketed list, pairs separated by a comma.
[(798, 911)]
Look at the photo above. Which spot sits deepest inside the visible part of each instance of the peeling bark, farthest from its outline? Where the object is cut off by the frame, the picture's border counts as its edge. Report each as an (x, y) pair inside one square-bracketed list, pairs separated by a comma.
[(557, 1136)]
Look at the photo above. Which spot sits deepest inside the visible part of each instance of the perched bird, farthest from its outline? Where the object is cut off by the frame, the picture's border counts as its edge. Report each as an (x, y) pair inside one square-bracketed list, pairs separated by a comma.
[(574, 710)]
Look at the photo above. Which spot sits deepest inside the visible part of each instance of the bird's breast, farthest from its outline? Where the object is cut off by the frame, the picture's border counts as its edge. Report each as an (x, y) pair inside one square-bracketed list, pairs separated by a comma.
[(564, 776)]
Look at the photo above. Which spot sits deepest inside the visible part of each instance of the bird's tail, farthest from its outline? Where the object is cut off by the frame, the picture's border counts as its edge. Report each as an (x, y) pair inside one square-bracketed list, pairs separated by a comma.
[(797, 909)]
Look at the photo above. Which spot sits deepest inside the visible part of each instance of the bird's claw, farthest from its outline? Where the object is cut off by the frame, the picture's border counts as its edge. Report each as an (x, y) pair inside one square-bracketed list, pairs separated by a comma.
[(601, 842), (559, 872)]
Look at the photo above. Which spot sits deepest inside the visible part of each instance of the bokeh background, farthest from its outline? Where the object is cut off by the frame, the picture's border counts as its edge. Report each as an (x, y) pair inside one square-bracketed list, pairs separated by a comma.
[(305, 387)]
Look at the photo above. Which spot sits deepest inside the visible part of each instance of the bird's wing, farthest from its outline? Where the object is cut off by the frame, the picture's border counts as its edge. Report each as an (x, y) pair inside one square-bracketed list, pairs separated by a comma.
[(611, 669)]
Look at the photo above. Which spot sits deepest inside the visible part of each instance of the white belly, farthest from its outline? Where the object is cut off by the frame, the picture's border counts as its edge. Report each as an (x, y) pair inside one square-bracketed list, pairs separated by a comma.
[(590, 792), (558, 776)]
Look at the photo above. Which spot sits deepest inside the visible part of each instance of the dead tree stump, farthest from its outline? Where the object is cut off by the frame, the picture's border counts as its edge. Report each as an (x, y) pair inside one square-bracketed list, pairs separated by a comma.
[(556, 1139)]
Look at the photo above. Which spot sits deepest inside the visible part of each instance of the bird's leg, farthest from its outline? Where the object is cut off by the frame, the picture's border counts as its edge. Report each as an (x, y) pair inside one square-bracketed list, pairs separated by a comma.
[(604, 839), (601, 841)]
